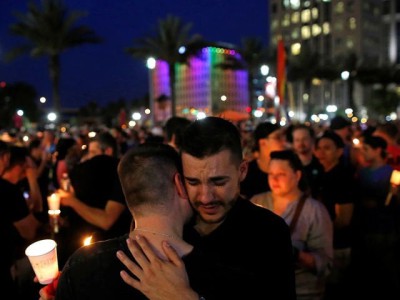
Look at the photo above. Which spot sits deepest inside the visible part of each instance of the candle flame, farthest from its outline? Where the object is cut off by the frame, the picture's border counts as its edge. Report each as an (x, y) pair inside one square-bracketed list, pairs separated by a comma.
[(395, 178), (87, 241)]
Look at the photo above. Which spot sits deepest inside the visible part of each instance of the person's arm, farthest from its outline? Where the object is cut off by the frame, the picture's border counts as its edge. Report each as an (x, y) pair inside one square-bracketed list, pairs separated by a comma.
[(102, 218), (35, 199), (344, 214), (156, 278), (27, 227)]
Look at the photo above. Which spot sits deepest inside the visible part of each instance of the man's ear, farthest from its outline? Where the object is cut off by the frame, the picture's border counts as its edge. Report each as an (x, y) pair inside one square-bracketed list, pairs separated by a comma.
[(180, 187), (243, 168)]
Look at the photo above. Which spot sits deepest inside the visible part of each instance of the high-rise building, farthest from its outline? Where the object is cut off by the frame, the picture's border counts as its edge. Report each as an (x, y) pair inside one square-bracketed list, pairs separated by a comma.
[(212, 82), (339, 33)]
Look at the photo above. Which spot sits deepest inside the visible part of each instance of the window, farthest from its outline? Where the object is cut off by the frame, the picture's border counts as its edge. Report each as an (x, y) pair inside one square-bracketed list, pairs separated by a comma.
[(305, 32), (295, 49)]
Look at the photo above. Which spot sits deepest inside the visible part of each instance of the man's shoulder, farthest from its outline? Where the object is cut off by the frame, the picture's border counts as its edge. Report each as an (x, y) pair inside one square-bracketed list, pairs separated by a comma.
[(95, 253)]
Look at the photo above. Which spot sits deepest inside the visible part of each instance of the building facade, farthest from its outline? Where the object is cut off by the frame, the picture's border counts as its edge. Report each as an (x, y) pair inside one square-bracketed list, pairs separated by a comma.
[(207, 84), (341, 33)]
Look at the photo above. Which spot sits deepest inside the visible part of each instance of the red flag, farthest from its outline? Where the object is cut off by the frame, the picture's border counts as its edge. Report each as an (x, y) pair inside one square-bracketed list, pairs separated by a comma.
[(281, 73)]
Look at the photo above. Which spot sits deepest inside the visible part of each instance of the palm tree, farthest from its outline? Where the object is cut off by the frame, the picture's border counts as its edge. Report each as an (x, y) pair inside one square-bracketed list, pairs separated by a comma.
[(50, 30), (254, 55), (171, 34)]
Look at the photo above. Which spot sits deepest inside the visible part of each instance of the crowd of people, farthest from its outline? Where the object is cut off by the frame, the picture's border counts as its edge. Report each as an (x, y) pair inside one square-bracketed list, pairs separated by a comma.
[(207, 209)]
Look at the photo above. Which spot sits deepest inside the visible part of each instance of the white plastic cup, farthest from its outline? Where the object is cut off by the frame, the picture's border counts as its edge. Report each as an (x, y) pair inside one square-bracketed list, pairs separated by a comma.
[(43, 258)]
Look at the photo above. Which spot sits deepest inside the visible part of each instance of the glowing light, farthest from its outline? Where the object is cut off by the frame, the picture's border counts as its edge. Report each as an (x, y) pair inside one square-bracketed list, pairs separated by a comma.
[(92, 134), (223, 98), (356, 142), (20, 112), (87, 241), (151, 63), (42, 100), (132, 123), (182, 49), (52, 116), (147, 111), (258, 113), (345, 75), (260, 98), (201, 115), (264, 70), (25, 138), (136, 116), (331, 108), (348, 111)]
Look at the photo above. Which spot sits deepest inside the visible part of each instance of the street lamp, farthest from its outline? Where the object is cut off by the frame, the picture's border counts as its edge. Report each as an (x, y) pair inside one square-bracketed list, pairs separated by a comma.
[(345, 75), (151, 64)]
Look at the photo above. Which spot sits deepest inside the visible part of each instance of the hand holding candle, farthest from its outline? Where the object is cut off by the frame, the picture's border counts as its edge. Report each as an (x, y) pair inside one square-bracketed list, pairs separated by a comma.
[(43, 258)]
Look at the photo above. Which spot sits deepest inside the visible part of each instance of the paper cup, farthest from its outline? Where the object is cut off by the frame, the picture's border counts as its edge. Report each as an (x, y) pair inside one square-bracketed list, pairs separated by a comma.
[(43, 258)]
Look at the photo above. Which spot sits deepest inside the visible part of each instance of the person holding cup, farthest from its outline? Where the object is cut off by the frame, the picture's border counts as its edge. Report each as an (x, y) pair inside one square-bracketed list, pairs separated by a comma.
[(18, 224)]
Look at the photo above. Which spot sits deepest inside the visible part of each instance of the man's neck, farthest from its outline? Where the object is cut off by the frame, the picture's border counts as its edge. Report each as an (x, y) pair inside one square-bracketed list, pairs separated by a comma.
[(157, 229)]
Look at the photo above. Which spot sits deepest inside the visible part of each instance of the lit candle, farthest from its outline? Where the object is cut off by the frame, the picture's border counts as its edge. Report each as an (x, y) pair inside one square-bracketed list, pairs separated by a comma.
[(54, 202), (395, 178), (87, 241), (394, 183)]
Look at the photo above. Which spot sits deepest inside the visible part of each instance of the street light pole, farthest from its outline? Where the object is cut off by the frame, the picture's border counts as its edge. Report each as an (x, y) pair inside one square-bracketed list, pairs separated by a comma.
[(151, 64)]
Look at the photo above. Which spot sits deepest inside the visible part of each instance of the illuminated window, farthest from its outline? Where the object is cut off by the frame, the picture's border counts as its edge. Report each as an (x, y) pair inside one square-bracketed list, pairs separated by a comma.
[(295, 49), (295, 4), (316, 30), (296, 17), (286, 20), (305, 32), (295, 34), (305, 16), (326, 28), (352, 23), (314, 13), (274, 24), (350, 44), (339, 8)]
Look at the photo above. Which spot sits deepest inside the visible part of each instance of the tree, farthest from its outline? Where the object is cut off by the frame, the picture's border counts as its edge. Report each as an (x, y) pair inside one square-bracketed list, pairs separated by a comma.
[(164, 44), (254, 55), (49, 31)]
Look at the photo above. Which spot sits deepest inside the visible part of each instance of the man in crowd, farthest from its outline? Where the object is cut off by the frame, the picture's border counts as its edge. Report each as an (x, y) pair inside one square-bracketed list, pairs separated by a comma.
[(95, 206), (237, 233), (268, 137)]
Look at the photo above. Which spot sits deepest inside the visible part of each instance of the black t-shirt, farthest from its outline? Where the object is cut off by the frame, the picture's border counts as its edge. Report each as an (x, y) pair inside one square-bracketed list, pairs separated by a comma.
[(256, 181), (255, 242), (95, 182), (13, 209), (313, 173), (338, 187), (93, 273)]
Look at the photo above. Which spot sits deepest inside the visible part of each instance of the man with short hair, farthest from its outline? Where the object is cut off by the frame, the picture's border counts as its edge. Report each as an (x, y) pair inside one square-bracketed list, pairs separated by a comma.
[(238, 234), (268, 137), (303, 143), (95, 205)]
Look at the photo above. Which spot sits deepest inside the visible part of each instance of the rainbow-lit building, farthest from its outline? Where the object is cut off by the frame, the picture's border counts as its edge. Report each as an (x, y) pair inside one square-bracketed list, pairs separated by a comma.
[(212, 82)]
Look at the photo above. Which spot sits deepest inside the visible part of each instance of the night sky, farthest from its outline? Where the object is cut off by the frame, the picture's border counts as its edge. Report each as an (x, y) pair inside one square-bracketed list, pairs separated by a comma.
[(104, 72)]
